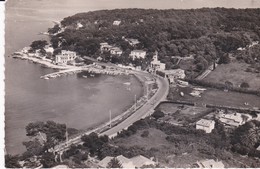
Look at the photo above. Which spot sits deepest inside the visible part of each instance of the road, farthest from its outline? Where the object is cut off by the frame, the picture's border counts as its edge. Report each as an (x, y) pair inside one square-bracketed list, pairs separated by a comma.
[(145, 110)]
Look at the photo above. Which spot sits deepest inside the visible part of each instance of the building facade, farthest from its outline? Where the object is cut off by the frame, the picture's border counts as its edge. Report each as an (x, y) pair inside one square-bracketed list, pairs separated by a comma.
[(65, 57), (138, 54), (156, 64), (206, 125)]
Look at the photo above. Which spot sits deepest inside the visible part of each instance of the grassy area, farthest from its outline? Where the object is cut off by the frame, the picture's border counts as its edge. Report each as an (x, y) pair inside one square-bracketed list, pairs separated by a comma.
[(182, 149), (155, 136), (182, 114), (216, 97), (235, 73)]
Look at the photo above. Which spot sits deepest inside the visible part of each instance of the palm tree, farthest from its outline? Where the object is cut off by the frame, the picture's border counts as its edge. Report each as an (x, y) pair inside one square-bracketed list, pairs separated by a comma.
[(114, 163)]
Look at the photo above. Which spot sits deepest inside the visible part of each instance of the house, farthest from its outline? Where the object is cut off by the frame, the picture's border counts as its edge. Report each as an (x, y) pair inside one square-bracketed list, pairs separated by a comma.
[(135, 162), (132, 42), (125, 162), (174, 74), (209, 164), (233, 119), (156, 64), (105, 47), (206, 125), (258, 148), (138, 54), (61, 166), (116, 22), (140, 161), (65, 57), (116, 51)]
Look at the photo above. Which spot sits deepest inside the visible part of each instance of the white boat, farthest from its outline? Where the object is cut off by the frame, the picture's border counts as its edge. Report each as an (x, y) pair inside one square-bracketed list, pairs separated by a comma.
[(46, 78), (85, 76), (127, 83)]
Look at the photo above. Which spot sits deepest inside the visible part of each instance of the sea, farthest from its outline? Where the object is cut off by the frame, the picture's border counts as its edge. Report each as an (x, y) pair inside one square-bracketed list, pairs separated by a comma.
[(74, 100)]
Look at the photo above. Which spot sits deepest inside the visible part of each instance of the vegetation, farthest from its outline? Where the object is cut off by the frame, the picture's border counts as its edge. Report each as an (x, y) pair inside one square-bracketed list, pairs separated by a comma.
[(39, 45), (246, 139), (206, 34), (12, 161), (114, 163)]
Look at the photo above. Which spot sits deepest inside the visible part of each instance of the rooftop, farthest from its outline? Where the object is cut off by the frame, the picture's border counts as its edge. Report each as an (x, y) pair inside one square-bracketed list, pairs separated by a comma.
[(205, 122)]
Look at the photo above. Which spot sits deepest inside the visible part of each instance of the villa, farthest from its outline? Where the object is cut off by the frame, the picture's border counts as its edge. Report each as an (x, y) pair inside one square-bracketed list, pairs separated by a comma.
[(116, 23), (174, 74), (208, 164), (105, 47), (138, 54), (132, 42), (156, 64), (116, 51), (135, 162), (65, 57), (206, 125), (233, 119)]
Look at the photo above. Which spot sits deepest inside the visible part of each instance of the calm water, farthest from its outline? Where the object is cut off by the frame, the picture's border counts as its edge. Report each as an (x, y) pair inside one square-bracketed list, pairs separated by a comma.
[(73, 100), (78, 102)]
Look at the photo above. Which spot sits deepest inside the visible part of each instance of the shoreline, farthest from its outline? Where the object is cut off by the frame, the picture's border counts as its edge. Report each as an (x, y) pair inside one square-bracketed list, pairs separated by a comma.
[(101, 126)]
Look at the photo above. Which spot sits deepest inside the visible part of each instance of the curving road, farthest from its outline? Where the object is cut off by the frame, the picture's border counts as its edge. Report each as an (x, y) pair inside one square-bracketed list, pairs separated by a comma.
[(146, 109)]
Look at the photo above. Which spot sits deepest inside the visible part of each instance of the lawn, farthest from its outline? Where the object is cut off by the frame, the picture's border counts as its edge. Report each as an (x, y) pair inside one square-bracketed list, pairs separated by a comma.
[(216, 97), (235, 73), (182, 114)]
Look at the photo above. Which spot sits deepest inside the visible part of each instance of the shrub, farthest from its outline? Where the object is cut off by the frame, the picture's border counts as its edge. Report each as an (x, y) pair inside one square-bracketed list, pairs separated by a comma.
[(145, 133), (244, 85)]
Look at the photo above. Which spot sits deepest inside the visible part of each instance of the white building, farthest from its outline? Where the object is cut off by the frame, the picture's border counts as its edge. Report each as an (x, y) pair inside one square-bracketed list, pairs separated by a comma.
[(156, 64), (135, 162), (65, 56), (209, 164), (233, 119), (132, 42), (116, 51), (117, 23), (138, 54), (174, 74), (105, 47), (206, 125)]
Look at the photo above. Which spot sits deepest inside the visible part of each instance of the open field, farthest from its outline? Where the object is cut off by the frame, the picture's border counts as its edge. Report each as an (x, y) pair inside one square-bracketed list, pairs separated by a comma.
[(216, 97), (182, 114), (235, 73)]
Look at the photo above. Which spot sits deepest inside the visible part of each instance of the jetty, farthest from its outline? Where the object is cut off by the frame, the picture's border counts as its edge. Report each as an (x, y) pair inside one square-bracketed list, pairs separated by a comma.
[(62, 72), (95, 69)]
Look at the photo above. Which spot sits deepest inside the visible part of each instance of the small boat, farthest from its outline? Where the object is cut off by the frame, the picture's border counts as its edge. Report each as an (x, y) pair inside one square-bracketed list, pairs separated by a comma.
[(92, 75), (85, 76), (127, 83), (46, 78)]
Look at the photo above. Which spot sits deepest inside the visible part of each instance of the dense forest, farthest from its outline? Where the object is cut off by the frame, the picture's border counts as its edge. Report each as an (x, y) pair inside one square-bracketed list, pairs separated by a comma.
[(206, 34)]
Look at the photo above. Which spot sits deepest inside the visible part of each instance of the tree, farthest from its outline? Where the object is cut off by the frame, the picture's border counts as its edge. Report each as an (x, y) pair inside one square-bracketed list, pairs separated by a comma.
[(39, 45), (48, 160), (94, 142), (158, 114), (54, 132), (224, 59), (12, 161), (114, 163), (33, 148), (244, 85)]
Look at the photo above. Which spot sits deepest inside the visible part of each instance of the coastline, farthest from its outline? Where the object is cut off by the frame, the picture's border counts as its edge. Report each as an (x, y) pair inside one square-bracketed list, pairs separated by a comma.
[(101, 126), (45, 62)]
